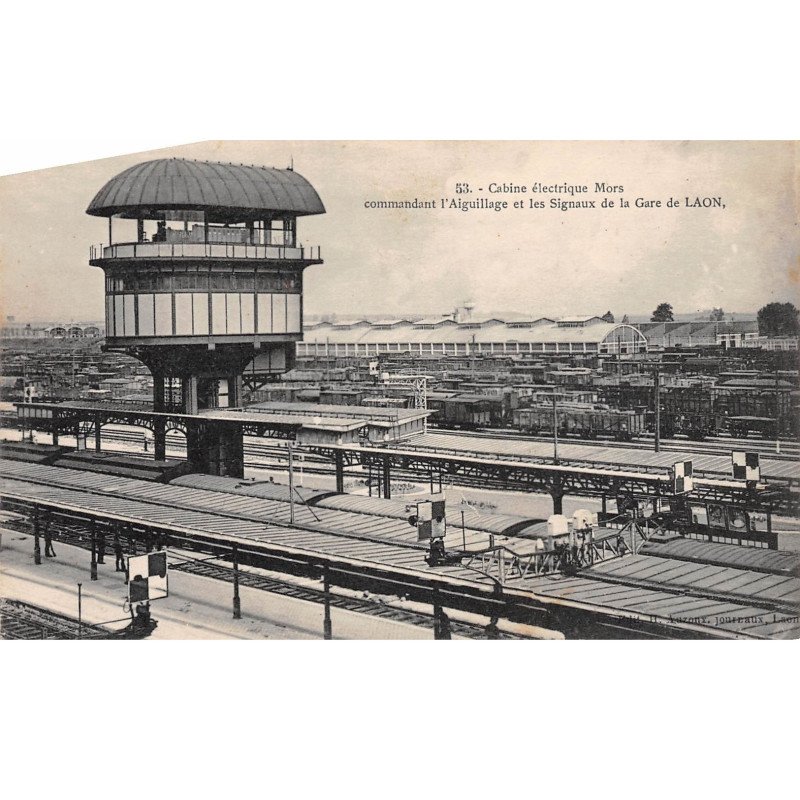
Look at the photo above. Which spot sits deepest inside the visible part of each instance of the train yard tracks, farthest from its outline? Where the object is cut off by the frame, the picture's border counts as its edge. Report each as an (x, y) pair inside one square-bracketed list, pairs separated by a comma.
[(371, 607), (25, 624), (718, 445), (789, 451), (23, 621)]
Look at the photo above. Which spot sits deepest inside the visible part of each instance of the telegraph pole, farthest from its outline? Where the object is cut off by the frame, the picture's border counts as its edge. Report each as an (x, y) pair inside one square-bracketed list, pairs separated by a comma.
[(93, 564), (555, 428), (327, 627), (237, 603), (657, 403), (777, 412), (291, 482)]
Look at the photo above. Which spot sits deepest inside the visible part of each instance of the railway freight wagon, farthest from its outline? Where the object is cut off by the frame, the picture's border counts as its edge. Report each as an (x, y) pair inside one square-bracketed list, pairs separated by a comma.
[(467, 412), (336, 396), (698, 413), (762, 427), (585, 422)]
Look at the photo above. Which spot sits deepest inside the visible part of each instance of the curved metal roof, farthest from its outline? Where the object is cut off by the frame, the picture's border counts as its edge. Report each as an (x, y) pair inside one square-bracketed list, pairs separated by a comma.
[(224, 190)]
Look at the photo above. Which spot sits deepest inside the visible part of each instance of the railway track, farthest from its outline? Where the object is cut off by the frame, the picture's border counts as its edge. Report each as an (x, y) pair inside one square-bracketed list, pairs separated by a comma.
[(358, 605), (711, 446), (22, 621), (266, 456), (371, 607), (790, 451)]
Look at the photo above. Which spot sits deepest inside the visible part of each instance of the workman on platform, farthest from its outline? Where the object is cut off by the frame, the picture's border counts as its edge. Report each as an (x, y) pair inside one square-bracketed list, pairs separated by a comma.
[(48, 543), (119, 555)]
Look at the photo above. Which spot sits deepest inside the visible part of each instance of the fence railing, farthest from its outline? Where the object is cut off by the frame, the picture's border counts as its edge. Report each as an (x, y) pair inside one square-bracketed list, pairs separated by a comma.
[(204, 250), (615, 540)]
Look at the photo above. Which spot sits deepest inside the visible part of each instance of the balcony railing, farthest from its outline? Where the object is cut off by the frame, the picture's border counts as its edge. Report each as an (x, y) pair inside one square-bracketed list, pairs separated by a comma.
[(208, 250)]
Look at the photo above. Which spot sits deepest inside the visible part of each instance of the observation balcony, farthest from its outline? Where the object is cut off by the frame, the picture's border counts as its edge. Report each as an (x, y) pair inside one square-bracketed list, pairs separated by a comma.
[(203, 250)]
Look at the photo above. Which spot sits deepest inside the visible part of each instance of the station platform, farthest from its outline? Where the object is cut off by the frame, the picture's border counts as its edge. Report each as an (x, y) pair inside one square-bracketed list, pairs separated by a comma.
[(509, 448), (687, 598)]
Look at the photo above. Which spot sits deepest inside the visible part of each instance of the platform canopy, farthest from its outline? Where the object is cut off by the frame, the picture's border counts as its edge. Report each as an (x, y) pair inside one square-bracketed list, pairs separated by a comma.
[(225, 192)]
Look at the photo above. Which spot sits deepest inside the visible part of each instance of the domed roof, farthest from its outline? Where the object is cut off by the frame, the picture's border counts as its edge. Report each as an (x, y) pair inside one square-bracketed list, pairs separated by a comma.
[(224, 191)]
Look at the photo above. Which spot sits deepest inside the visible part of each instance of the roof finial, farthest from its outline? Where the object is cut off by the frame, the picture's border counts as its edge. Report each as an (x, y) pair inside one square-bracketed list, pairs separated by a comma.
[(291, 165)]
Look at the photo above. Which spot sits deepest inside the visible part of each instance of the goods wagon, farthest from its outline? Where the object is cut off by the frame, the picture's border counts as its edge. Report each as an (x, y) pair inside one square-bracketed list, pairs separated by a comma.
[(462, 411), (589, 423), (742, 427)]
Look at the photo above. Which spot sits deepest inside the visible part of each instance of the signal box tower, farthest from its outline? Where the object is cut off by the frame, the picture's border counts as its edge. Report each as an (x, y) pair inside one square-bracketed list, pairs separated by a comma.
[(204, 275)]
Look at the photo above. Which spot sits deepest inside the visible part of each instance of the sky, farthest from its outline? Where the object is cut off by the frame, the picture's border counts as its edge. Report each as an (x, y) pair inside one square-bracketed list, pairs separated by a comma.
[(540, 262)]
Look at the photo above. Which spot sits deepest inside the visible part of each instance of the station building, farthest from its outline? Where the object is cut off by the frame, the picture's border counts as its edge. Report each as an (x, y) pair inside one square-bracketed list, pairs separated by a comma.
[(448, 337)]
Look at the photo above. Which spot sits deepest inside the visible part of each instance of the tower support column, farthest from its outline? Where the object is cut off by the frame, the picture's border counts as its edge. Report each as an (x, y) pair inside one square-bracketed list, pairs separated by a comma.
[(234, 391), (339, 458), (159, 440), (189, 394), (387, 474)]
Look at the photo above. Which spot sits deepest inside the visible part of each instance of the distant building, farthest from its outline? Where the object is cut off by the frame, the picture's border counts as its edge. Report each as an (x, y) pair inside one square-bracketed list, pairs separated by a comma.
[(72, 330), (20, 331), (662, 335), (778, 342), (432, 336)]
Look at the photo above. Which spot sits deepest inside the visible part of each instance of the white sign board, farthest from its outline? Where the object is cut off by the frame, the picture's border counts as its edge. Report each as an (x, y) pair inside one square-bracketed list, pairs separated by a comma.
[(148, 577)]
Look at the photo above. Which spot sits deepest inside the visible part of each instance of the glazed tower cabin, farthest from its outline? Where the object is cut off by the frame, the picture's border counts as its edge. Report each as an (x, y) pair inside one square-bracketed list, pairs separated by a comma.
[(204, 275)]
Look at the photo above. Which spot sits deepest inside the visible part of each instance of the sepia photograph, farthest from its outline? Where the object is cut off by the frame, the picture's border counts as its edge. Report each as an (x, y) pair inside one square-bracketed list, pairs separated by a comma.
[(510, 390), (333, 332)]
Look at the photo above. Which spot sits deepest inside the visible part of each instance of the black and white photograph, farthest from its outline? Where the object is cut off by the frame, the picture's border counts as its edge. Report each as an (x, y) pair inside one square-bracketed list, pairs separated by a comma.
[(403, 390), (399, 400)]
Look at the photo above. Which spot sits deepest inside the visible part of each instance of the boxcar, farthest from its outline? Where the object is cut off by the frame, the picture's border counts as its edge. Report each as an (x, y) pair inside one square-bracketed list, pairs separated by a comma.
[(589, 423), (466, 412), (742, 427)]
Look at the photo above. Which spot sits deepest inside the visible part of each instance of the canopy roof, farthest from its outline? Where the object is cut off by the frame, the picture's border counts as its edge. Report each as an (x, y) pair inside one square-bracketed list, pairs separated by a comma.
[(226, 192)]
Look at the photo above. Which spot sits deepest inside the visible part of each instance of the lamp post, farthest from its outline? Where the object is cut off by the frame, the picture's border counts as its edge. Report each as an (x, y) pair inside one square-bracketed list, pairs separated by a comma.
[(555, 428), (237, 602), (777, 413), (327, 627), (657, 404), (291, 483)]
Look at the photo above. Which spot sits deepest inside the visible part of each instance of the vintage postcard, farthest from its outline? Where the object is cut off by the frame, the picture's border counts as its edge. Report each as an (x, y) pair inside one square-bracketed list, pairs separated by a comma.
[(516, 390)]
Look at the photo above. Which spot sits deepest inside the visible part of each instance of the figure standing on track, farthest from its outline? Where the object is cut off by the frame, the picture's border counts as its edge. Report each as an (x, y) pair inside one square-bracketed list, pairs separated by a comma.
[(48, 543), (119, 555)]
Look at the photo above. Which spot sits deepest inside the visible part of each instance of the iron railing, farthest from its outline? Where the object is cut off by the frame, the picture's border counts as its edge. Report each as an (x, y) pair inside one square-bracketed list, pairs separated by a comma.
[(203, 250)]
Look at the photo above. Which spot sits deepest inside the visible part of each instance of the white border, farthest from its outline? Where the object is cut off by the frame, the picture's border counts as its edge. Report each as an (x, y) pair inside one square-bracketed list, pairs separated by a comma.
[(93, 80)]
